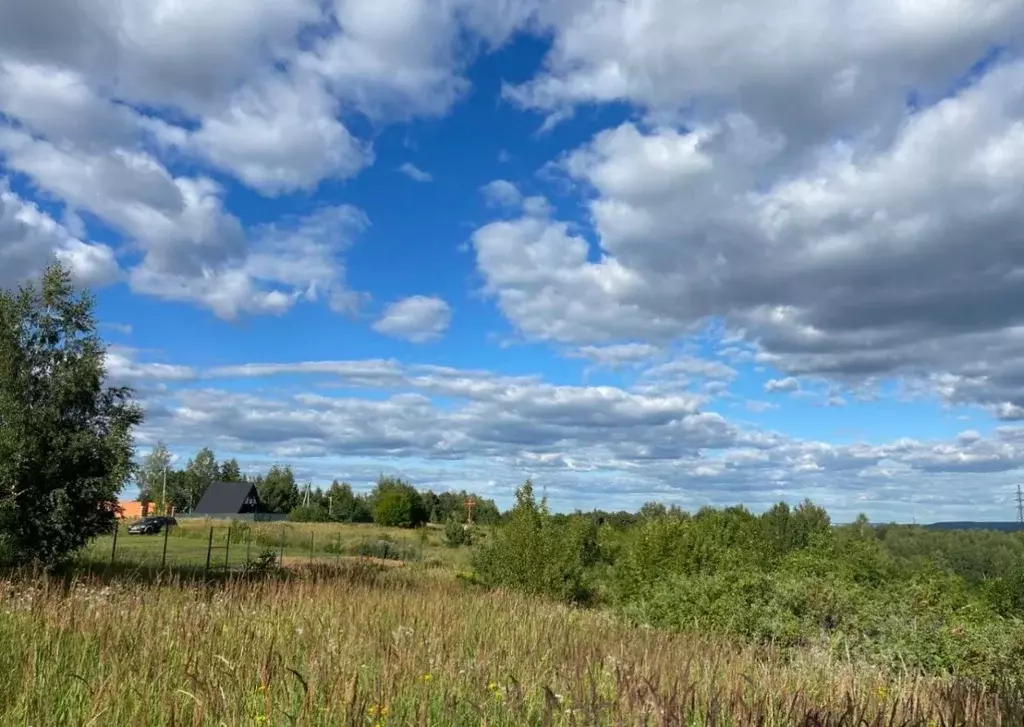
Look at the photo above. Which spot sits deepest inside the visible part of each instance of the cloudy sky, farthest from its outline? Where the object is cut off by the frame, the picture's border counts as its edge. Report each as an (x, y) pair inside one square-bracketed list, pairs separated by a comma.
[(678, 250)]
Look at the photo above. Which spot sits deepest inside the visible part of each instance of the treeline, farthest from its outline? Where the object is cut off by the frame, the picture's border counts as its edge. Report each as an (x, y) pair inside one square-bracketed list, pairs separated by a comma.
[(899, 596), (392, 502)]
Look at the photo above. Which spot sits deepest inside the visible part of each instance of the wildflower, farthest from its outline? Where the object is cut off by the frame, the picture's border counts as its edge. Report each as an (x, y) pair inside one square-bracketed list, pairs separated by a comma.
[(427, 677), (882, 693)]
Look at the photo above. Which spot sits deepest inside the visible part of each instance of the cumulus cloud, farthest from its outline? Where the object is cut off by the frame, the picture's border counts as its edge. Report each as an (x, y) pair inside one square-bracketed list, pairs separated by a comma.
[(788, 384), (30, 239), (277, 134), (811, 71), (855, 260), (622, 446), (502, 193), (418, 318), (615, 356), (100, 101), (415, 173)]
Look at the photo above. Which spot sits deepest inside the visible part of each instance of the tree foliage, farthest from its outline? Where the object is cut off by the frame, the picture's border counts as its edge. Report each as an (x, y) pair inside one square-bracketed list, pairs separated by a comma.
[(535, 553), (151, 473), (230, 471), (344, 505), (200, 472), (65, 437), (397, 504), (278, 491)]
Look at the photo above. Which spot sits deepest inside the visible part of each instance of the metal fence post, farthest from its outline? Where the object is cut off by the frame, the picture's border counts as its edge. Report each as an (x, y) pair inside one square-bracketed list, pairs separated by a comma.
[(113, 548), (209, 549), (163, 556)]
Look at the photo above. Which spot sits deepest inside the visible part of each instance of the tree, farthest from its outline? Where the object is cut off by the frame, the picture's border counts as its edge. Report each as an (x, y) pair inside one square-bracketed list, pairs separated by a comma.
[(178, 493), (151, 474), (200, 473), (346, 506), (457, 534), (278, 491), (65, 437), (229, 471), (397, 504), (534, 553)]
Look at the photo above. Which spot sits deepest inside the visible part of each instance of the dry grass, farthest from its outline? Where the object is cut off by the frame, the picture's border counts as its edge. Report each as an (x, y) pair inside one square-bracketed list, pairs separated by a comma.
[(362, 646)]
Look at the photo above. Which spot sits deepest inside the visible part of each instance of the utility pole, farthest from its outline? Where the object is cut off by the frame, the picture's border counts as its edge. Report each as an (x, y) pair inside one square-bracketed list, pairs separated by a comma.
[(163, 497), (1020, 506)]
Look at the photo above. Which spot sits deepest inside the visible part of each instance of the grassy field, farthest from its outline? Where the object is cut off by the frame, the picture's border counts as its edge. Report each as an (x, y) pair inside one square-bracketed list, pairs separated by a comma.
[(334, 638), (234, 545), (354, 645)]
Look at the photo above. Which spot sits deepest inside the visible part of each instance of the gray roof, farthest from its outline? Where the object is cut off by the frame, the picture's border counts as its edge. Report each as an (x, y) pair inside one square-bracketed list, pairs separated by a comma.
[(228, 497)]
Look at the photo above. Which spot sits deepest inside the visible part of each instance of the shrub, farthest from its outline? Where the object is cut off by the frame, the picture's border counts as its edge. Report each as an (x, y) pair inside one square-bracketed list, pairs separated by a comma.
[(384, 549), (397, 504), (308, 514), (534, 554), (456, 534)]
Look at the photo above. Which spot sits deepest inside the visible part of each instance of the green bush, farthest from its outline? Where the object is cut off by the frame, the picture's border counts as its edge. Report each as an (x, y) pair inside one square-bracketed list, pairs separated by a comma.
[(397, 504), (308, 514), (456, 534), (534, 554), (383, 548)]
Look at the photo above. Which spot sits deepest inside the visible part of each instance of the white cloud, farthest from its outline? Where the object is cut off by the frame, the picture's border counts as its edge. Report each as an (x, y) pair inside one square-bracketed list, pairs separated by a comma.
[(788, 384), (415, 173), (869, 258), (418, 318), (623, 354), (30, 239), (812, 70), (502, 193), (620, 445), (278, 134), (101, 100)]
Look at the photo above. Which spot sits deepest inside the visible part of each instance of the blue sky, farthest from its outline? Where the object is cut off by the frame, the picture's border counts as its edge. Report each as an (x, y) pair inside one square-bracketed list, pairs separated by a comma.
[(641, 250)]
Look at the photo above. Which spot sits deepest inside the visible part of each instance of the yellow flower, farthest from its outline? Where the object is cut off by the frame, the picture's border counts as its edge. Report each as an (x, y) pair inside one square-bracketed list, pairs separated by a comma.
[(882, 693), (427, 677), (492, 686)]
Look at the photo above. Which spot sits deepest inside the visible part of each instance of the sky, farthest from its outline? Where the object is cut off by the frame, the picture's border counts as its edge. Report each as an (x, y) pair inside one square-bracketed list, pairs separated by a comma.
[(697, 252)]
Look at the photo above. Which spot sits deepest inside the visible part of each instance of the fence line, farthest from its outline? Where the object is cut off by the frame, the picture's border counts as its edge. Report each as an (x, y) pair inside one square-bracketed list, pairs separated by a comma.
[(200, 548)]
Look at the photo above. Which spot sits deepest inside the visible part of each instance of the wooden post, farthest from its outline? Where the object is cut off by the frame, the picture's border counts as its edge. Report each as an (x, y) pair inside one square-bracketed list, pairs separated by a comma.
[(113, 548), (209, 549), (227, 549), (248, 542), (163, 556), (470, 504)]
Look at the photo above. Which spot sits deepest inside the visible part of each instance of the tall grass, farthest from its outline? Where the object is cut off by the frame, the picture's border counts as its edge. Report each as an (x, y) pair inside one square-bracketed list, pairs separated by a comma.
[(356, 646)]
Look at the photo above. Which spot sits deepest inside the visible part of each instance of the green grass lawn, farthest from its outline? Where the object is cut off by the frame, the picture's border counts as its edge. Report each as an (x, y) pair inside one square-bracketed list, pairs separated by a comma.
[(234, 545)]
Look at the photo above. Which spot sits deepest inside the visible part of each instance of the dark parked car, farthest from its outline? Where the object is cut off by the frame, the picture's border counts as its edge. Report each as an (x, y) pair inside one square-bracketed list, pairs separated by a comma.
[(151, 525)]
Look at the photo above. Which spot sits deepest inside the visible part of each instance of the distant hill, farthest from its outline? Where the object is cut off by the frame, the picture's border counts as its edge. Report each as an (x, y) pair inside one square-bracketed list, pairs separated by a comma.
[(976, 525)]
